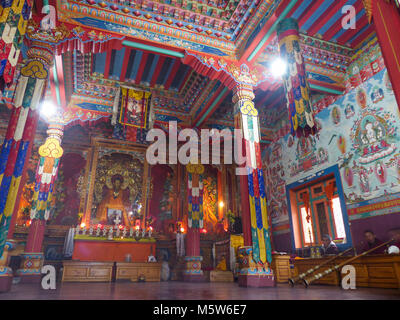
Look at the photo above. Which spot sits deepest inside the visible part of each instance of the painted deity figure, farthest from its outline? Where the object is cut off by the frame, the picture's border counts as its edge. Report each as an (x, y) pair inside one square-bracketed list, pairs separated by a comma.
[(304, 147), (112, 207), (134, 110), (377, 95), (210, 204), (336, 115), (370, 133), (349, 111), (380, 171), (364, 182), (373, 138)]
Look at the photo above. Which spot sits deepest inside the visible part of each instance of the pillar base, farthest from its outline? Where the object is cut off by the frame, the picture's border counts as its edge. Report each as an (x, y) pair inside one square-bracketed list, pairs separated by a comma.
[(6, 277), (193, 272), (31, 271), (256, 281), (253, 274), (30, 278)]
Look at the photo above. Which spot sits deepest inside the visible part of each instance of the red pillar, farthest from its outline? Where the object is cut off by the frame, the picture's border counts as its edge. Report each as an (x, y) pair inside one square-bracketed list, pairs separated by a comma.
[(50, 153), (386, 18), (193, 272), (35, 236)]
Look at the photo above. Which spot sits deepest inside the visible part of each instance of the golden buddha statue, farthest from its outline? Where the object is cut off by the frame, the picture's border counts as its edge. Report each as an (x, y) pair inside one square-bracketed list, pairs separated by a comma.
[(221, 266), (112, 209)]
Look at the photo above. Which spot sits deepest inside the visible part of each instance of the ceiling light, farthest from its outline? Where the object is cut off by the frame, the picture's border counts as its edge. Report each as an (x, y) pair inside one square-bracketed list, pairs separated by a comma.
[(48, 109), (278, 67)]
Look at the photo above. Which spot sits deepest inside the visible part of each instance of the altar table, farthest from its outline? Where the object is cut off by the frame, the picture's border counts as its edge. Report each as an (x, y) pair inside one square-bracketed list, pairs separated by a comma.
[(112, 250), (375, 271)]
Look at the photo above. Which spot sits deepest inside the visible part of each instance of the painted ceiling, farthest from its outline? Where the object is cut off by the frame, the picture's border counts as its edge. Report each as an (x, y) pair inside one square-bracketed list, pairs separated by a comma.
[(157, 36)]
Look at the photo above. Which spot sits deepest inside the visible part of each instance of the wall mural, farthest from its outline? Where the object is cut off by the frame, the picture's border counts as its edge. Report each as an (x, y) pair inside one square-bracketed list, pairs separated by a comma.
[(359, 132), (275, 184)]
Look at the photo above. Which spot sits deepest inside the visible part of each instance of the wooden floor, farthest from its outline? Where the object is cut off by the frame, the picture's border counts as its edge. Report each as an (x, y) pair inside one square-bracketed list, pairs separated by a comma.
[(190, 291)]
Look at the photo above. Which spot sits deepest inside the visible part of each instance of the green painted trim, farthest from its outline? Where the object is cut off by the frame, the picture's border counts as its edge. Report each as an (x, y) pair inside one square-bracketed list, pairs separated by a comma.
[(317, 87), (152, 48), (212, 106), (272, 29), (57, 84)]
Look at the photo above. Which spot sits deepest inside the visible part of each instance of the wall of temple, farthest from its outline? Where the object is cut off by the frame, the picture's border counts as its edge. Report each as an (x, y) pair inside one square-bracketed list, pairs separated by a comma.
[(359, 133)]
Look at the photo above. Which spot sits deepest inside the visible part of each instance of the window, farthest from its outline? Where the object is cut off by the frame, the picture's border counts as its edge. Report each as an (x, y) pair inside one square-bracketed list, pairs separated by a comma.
[(307, 227), (338, 218), (324, 215)]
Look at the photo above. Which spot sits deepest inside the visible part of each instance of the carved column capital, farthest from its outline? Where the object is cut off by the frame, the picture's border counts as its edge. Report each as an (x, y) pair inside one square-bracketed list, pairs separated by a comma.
[(242, 92)]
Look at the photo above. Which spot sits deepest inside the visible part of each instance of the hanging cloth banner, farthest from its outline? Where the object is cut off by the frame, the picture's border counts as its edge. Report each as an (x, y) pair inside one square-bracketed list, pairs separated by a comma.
[(195, 195), (131, 114), (260, 232), (295, 82)]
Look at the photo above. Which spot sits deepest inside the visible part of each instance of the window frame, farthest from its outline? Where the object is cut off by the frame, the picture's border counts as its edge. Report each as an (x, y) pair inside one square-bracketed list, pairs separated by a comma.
[(331, 173)]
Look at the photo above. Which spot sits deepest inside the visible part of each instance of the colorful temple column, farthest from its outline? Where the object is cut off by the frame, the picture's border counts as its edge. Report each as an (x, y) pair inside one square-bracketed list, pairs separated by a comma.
[(193, 271), (46, 174), (386, 19), (255, 256), (21, 130), (295, 80), (14, 16)]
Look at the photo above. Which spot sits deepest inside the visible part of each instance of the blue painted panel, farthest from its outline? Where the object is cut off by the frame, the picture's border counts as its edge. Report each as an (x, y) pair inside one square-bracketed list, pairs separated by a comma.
[(318, 13), (301, 9), (118, 62), (100, 62), (152, 68), (136, 64)]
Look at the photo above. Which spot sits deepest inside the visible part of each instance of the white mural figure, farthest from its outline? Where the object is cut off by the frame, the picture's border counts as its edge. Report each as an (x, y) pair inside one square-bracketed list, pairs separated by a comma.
[(370, 133), (364, 183)]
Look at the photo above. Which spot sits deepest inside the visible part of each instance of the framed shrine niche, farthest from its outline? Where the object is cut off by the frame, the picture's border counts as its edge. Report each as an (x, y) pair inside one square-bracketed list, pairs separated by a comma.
[(118, 184)]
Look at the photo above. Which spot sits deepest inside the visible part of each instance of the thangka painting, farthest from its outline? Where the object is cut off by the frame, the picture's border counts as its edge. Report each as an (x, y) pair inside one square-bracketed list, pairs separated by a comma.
[(131, 114), (134, 108)]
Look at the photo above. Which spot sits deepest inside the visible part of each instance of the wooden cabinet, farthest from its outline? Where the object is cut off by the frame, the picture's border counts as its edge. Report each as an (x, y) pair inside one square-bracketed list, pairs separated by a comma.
[(375, 271), (221, 276), (85, 271), (132, 271), (281, 267)]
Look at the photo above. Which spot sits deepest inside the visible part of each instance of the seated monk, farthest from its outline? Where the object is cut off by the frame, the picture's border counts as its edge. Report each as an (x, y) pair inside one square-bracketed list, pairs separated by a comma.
[(395, 235), (371, 242), (221, 265), (329, 246)]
